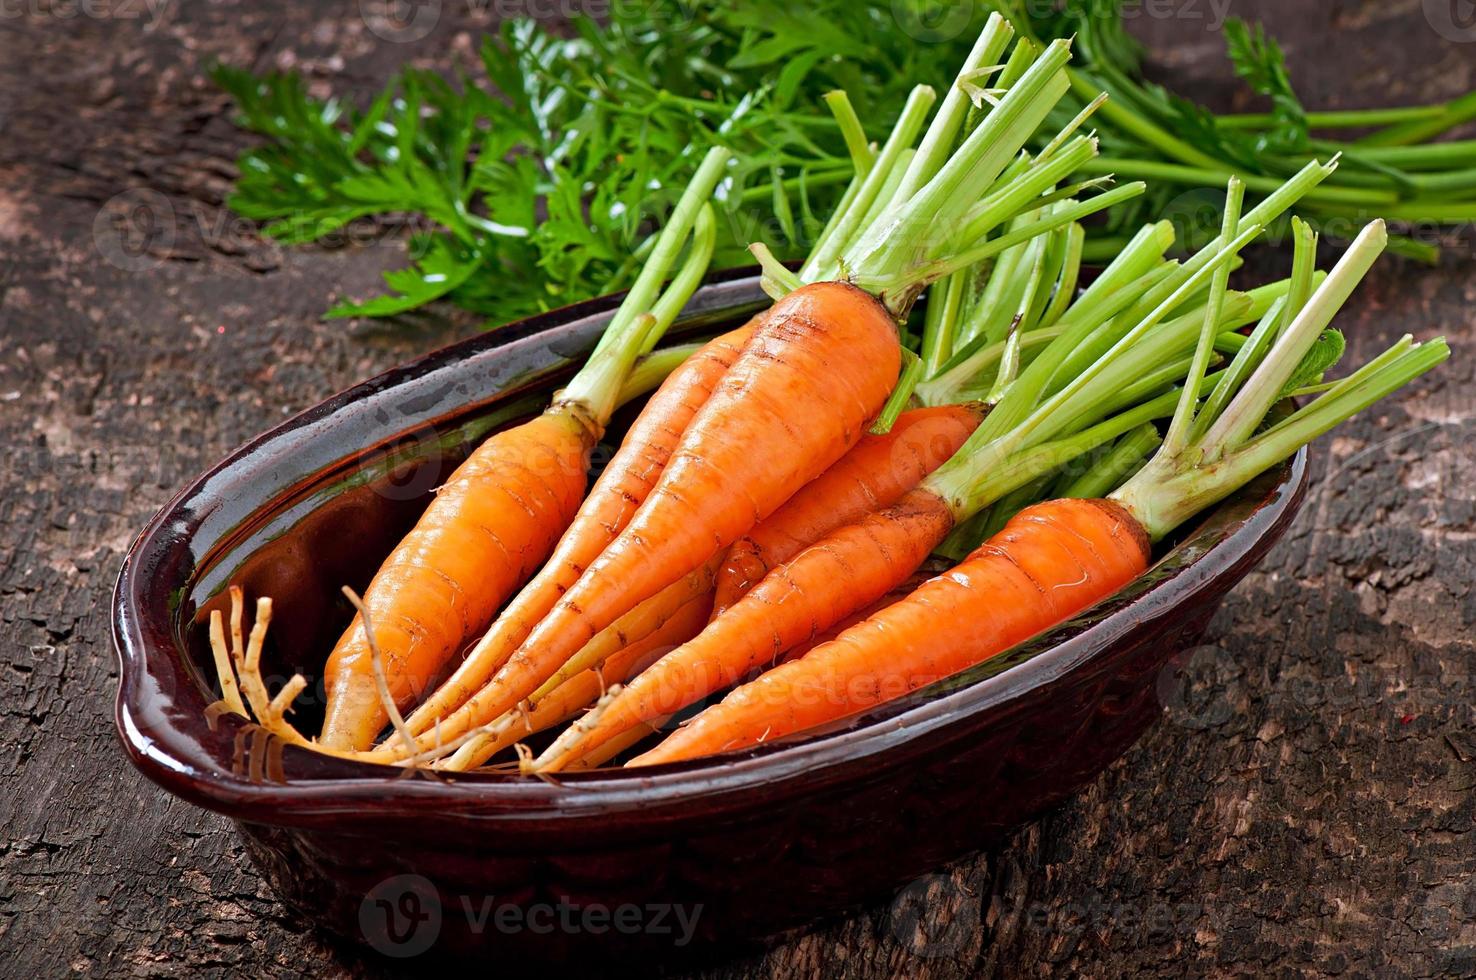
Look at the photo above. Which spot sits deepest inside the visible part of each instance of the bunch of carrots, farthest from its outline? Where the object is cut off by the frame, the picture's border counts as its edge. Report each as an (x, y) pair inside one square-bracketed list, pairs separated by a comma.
[(771, 525)]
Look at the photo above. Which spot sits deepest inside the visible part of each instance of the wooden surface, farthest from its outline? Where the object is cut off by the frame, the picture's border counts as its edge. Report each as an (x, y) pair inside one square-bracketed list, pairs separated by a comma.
[(1306, 805)]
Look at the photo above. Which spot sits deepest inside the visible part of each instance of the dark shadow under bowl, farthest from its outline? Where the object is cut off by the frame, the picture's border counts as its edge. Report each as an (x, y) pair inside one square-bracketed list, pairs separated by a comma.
[(664, 862)]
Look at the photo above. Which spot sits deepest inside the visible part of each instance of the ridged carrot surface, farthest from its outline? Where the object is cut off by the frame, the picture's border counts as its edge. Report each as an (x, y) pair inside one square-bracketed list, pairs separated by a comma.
[(843, 573), (582, 690), (620, 489), (488, 528), (1050, 562), (796, 400), (873, 475)]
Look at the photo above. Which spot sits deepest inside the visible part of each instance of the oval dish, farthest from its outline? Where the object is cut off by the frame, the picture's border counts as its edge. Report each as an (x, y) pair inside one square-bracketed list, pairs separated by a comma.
[(672, 861)]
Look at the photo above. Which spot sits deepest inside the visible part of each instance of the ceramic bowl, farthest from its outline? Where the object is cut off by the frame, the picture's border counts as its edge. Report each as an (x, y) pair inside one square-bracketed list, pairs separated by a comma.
[(639, 866)]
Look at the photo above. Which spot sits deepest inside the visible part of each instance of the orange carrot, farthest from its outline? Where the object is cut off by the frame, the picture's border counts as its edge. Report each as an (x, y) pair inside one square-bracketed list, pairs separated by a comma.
[(501, 513), (582, 690), (487, 529), (620, 489), (896, 594), (848, 570), (1050, 562), (871, 476), (796, 400)]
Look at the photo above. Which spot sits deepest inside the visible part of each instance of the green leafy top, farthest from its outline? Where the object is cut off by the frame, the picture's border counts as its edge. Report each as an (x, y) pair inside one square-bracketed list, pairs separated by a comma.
[(537, 180), (1260, 61)]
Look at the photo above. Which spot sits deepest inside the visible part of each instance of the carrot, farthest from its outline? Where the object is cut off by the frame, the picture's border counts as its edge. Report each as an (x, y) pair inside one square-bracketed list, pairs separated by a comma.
[(620, 489), (582, 690), (856, 565), (1051, 560), (873, 475), (827, 354), (844, 572), (1057, 558), (824, 362), (501, 512), (896, 594)]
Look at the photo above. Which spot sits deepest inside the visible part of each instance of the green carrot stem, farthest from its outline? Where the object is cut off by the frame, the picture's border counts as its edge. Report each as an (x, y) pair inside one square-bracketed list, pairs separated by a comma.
[(1027, 50), (1119, 464), (938, 142), (1041, 415), (885, 194), (891, 246), (1178, 432), (980, 357), (904, 132), (1431, 156), (652, 369), (1101, 248), (1078, 121), (1161, 501), (1304, 271), (1143, 252), (922, 274), (897, 402), (945, 305), (1198, 176), (807, 178), (597, 385), (1085, 316), (1412, 212), (984, 485), (687, 279), (1457, 113), (1142, 129), (1459, 183), (1009, 363), (1337, 118), (1265, 385), (777, 281), (1246, 360), (1016, 195), (863, 156), (1065, 292)]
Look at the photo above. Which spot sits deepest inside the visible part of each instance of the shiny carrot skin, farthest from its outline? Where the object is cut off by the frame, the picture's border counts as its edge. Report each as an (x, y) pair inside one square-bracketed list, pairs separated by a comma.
[(1052, 561), (584, 689), (896, 594), (873, 475), (488, 528), (843, 573), (796, 400), (620, 489)]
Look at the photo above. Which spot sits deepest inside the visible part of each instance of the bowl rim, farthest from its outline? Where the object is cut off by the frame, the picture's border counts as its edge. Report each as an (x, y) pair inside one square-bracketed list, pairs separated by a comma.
[(340, 793)]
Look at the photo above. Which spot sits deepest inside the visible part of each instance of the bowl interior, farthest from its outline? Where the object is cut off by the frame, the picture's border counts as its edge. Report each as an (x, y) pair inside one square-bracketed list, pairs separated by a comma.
[(318, 502)]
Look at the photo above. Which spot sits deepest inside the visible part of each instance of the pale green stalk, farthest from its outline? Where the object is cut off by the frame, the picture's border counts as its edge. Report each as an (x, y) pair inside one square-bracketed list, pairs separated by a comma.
[(1119, 464), (945, 306), (1175, 486), (699, 256), (597, 385), (937, 143), (826, 254), (1065, 293), (1266, 383), (1178, 432)]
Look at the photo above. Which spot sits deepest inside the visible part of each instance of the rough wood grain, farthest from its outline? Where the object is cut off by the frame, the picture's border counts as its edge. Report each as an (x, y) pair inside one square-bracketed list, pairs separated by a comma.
[(1306, 806)]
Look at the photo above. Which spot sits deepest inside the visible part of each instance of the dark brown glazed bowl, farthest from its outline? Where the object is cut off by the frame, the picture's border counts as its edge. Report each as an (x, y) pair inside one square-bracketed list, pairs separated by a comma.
[(662, 862)]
